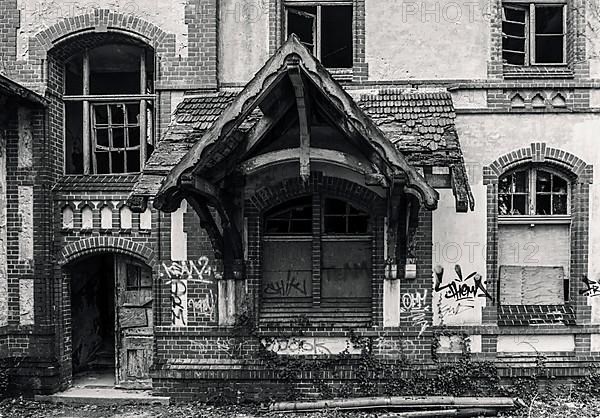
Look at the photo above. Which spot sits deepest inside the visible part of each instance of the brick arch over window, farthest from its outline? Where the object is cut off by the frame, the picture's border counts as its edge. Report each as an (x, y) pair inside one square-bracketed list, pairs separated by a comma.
[(98, 245), (581, 176), (538, 152), (99, 22), (270, 196)]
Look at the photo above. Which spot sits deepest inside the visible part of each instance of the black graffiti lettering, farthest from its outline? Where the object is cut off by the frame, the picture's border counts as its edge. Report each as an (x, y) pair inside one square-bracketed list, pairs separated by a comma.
[(285, 287), (459, 289), (592, 287)]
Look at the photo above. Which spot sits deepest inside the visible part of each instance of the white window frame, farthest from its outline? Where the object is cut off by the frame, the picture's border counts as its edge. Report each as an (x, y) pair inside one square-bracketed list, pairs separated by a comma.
[(529, 7), (532, 218)]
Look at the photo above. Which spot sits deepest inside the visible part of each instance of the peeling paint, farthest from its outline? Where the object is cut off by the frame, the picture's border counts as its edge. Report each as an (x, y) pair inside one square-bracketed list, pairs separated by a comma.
[(26, 301), (26, 231), (178, 236), (37, 16), (25, 151)]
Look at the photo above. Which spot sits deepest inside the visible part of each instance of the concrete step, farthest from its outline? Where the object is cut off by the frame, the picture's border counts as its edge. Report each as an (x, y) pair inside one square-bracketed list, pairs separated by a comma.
[(104, 396)]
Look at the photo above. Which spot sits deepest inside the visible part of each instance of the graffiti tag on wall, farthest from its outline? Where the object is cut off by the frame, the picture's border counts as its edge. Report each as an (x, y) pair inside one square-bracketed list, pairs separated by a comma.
[(309, 345), (394, 346), (203, 307), (414, 305), (179, 274), (459, 294), (290, 286), (592, 287)]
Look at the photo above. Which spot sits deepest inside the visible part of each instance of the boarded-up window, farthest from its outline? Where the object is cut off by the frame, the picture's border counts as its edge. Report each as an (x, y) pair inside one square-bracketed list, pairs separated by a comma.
[(534, 237), (333, 285)]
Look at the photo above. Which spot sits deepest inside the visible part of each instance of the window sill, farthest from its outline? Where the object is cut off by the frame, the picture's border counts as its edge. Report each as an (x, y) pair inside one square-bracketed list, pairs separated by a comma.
[(530, 315), (533, 220), (537, 71)]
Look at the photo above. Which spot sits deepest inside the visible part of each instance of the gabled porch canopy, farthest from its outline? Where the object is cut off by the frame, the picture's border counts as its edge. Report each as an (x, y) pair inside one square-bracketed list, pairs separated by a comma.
[(292, 77)]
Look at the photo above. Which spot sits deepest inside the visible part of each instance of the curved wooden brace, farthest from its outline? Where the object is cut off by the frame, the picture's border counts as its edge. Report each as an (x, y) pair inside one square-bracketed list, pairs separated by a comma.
[(333, 157)]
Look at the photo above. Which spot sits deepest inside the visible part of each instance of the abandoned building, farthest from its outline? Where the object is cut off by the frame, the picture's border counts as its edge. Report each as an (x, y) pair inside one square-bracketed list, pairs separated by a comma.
[(187, 185)]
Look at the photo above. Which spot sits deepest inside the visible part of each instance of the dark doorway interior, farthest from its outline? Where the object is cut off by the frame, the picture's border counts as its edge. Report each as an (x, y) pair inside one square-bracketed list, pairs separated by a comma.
[(93, 315)]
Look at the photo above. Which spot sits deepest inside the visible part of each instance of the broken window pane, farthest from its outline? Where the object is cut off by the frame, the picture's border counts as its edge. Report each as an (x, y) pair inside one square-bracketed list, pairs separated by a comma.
[(547, 28), (543, 204), (294, 217), (513, 193), (514, 30), (336, 36), (302, 22), (73, 138), (519, 206), (543, 181), (116, 133)]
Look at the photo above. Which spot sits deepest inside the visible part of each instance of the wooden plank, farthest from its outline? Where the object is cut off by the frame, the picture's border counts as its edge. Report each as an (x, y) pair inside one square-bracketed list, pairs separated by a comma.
[(346, 269), (132, 317), (303, 115), (287, 269), (510, 285), (543, 286), (266, 124)]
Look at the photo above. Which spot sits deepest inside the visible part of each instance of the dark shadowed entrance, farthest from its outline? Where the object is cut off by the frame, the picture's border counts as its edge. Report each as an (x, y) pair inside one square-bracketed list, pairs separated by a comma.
[(111, 313), (93, 315)]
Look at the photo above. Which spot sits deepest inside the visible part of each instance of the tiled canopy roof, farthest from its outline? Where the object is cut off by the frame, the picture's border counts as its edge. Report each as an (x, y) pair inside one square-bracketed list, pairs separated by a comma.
[(419, 123), (13, 89)]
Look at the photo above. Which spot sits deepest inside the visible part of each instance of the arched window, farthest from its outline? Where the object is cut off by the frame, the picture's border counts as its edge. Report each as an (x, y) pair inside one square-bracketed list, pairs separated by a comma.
[(533, 191), (317, 261), (534, 238), (108, 109)]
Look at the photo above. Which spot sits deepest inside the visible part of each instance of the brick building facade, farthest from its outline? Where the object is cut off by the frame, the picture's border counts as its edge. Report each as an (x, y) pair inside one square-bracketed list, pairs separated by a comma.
[(188, 192)]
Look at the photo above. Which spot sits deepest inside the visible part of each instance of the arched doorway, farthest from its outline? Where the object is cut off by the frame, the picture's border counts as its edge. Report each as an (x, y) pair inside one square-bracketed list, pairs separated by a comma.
[(111, 321)]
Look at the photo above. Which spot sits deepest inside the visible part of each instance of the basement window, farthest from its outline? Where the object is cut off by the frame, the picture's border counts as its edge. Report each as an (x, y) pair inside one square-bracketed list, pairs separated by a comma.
[(108, 103), (325, 30), (533, 34)]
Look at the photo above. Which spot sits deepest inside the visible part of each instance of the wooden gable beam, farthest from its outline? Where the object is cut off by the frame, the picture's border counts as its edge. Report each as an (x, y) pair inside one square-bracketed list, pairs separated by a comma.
[(380, 170), (334, 157), (266, 124), (303, 119)]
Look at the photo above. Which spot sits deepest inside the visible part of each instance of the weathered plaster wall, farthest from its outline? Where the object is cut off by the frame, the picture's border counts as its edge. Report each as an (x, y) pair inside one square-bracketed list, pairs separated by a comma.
[(243, 39), (39, 15), (593, 37), (535, 343), (484, 138), (426, 40), (457, 243), (26, 253)]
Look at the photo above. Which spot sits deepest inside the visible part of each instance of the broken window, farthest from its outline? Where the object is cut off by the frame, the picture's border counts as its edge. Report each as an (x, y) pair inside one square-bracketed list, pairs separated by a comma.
[(534, 237), (316, 262), (108, 110), (533, 192), (325, 30), (533, 33)]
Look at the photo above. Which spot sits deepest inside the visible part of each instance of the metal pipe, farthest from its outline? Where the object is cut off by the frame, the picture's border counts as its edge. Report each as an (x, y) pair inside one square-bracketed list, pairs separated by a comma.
[(396, 402), (472, 412)]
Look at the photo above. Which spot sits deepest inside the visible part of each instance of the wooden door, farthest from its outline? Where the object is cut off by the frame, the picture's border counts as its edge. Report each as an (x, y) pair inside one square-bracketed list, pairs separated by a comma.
[(134, 323)]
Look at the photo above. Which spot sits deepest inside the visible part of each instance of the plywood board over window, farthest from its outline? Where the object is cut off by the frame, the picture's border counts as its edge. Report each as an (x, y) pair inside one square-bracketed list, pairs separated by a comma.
[(540, 285)]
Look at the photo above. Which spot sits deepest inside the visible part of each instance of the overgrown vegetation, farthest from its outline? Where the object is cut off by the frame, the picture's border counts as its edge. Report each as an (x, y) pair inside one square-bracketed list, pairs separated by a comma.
[(327, 376)]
